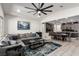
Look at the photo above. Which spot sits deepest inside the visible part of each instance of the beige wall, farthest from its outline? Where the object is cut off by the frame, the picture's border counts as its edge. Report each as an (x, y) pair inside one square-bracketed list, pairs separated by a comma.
[(11, 25)]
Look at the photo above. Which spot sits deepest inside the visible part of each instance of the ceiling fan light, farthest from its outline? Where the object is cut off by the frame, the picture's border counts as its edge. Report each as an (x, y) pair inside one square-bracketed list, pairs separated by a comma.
[(39, 12), (18, 10)]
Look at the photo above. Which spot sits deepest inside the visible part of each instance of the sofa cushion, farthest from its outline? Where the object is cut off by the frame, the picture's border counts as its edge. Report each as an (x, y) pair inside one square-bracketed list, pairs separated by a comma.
[(22, 35), (13, 37), (28, 34), (5, 43), (12, 42)]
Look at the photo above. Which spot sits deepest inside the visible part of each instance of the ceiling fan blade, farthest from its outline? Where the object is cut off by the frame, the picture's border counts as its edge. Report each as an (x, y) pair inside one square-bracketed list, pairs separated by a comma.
[(47, 7), (30, 11), (41, 5), (34, 5), (29, 8), (47, 10), (44, 13)]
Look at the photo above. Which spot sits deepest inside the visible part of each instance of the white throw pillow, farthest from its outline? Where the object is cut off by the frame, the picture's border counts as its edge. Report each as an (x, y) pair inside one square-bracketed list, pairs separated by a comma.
[(12, 42)]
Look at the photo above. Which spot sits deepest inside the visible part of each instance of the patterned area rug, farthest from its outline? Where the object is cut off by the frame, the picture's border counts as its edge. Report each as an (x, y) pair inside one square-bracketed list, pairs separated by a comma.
[(42, 51)]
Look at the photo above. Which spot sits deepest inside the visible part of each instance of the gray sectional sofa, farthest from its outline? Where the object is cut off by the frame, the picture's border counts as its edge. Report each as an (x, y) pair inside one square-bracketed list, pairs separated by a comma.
[(12, 39), (15, 40)]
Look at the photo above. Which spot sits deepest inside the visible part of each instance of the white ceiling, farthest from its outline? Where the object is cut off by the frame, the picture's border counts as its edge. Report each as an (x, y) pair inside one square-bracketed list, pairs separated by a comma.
[(11, 8)]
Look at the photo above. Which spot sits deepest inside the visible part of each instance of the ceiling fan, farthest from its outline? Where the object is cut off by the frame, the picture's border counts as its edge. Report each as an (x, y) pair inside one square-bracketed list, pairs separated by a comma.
[(39, 9)]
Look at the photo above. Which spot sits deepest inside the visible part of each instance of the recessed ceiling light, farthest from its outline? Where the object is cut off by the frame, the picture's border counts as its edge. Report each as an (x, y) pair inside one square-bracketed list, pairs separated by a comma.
[(18, 10)]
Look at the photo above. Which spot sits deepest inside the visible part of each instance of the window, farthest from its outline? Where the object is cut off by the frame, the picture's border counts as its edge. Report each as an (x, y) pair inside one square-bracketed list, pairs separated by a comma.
[(57, 28), (1, 27)]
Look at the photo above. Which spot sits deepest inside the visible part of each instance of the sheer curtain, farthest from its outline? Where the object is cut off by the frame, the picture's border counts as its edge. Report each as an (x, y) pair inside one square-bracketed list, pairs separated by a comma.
[(1, 27)]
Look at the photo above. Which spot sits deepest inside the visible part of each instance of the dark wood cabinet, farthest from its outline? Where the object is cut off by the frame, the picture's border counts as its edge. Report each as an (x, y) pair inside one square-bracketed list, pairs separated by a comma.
[(70, 26), (49, 27)]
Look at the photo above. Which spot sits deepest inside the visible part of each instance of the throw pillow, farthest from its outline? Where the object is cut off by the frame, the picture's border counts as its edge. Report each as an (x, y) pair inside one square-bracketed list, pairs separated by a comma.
[(13, 37), (12, 42), (33, 34)]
